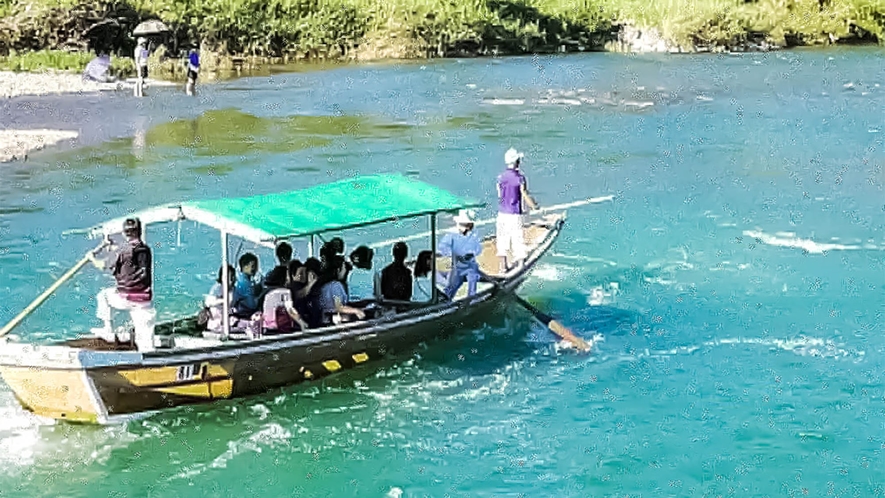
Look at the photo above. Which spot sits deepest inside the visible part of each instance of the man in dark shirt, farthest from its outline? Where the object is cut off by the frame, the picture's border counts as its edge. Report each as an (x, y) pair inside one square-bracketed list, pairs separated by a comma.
[(132, 270), (396, 278), (278, 274)]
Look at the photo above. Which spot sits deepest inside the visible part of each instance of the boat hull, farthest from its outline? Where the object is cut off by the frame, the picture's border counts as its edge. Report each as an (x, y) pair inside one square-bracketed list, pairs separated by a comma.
[(82, 385)]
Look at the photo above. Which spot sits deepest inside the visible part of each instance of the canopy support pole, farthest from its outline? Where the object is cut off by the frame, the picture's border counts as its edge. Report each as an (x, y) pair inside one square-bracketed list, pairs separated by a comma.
[(310, 247), (434, 297), (225, 289)]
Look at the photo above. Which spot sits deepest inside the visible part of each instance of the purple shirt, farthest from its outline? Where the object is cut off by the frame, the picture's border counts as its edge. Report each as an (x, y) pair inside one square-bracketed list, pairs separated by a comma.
[(510, 185)]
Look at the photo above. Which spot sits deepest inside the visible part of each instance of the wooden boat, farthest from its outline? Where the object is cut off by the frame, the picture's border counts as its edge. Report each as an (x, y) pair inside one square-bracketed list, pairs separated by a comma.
[(89, 380)]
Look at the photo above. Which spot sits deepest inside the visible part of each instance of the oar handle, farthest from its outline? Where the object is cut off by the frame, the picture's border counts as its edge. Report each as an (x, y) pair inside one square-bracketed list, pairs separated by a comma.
[(48, 292)]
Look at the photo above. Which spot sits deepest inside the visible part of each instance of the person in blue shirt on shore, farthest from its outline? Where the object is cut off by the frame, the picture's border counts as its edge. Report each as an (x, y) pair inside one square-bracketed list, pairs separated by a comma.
[(193, 69), (464, 247)]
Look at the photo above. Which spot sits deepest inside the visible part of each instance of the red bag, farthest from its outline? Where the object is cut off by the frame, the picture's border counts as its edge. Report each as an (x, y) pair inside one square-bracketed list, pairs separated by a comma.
[(285, 323)]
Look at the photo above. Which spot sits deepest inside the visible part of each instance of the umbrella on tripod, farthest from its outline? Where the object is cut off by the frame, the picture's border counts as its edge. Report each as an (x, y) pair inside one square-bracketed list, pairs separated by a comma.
[(151, 27)]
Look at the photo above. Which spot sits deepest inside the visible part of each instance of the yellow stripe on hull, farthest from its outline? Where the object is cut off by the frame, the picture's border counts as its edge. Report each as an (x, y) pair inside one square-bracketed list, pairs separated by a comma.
[(164, 376), (221, 389)]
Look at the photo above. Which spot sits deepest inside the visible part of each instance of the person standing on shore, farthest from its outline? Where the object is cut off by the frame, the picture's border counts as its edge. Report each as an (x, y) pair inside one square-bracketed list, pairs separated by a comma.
[(141, 66), (193, 69), (512, 192)]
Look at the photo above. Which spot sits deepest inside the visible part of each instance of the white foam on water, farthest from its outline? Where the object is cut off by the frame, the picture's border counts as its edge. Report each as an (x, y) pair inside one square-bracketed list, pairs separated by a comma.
[(547, 272), (641, 105), (802, 346), (588, 259), (603, 294), (704, 98), (270, 435), (789, 239), (504, 101)]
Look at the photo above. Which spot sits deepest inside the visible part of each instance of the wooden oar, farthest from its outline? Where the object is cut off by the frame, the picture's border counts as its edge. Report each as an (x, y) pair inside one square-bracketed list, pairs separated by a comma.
[(557, 207), (554, 326), (48, 292)]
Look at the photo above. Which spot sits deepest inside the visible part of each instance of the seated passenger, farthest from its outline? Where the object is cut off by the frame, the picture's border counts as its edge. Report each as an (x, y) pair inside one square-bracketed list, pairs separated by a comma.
[(329, 294), (278, 274), (361, 257), (423, 283), (329, 250), (214, 301), (300, 286), (246, 292), (396, 279), (276, 280), (279, 313)]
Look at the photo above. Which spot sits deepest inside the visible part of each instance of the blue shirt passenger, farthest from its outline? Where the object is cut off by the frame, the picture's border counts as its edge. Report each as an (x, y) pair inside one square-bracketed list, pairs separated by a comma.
[(245, 299)]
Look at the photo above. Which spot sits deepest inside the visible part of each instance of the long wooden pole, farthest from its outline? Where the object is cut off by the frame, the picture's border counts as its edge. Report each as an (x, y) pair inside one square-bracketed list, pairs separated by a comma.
[(48, 292), (557, 207)]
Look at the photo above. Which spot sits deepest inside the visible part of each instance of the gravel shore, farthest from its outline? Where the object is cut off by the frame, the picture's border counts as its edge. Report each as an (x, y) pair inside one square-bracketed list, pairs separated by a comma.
[(16, 144), (33, 106), (45, 83)]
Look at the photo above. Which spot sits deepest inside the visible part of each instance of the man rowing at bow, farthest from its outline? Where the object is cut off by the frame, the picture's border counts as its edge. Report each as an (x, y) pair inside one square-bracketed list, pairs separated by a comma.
[(131, 268)]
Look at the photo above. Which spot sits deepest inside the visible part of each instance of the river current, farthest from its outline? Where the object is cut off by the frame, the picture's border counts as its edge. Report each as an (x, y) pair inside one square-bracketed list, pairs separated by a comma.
[(735, 283)]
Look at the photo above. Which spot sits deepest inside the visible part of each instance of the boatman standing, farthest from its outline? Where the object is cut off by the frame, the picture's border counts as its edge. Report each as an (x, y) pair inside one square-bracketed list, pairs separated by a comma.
[(141, 66), (464, 247), (134, 290), (512, 192)]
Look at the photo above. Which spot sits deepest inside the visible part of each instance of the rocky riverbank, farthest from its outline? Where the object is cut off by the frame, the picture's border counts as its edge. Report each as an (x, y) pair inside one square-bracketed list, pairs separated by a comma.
[(14, 84), (17, 144)]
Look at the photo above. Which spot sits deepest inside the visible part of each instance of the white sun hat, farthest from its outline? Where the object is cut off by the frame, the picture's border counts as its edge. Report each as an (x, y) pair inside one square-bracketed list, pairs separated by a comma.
[(511, 156), (465, 217)]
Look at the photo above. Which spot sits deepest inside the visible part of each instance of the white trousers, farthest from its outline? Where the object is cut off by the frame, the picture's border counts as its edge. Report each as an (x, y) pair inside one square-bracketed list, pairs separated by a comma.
[(143, 316), (510, 238)]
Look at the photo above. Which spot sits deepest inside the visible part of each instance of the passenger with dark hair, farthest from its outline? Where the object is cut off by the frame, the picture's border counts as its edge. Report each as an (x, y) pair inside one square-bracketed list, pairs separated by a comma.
[(214, 301), (277, 276), (278, 308), (329, 295), (301, 285), (423, 282), (396, 279), (245, 301), (331, 249)]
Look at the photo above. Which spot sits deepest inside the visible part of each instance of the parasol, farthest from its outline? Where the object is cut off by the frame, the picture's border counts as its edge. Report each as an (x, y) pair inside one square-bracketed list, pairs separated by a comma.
[(152, 27)]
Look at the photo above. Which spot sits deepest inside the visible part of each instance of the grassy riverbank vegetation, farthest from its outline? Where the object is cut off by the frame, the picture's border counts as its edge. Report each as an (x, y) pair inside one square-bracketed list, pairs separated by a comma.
[(371, 29)]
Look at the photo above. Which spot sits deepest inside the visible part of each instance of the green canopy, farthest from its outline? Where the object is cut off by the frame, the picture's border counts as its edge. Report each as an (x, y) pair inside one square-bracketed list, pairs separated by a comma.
[(341, 205)]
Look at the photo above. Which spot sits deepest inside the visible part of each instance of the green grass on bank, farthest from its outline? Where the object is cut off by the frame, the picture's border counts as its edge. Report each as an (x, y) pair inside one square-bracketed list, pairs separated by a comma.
[(419, 28), (60, 60)]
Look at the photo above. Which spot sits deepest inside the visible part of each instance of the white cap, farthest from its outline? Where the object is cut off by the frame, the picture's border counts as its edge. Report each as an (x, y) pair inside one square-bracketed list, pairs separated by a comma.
[(141, 40), (511, 156), (465, 217)]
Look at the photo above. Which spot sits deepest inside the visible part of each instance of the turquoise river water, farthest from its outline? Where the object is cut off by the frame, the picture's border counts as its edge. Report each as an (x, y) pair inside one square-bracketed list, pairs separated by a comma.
[(735, 281)]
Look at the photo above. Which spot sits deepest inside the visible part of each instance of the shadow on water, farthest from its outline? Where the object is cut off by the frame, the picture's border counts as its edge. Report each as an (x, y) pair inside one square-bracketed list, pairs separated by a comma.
[(216, 142)]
